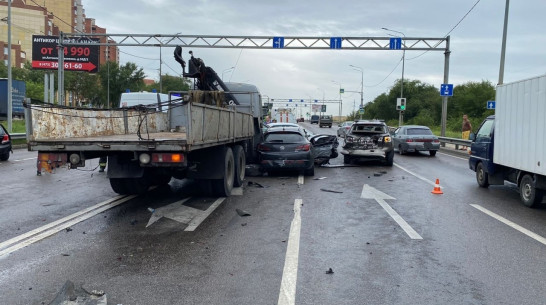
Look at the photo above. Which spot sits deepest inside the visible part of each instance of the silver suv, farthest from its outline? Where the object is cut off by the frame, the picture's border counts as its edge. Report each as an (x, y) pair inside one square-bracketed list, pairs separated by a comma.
[(368, 140)]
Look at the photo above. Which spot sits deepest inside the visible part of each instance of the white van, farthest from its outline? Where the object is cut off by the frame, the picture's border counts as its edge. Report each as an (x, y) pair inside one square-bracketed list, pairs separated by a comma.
[(148, 99)]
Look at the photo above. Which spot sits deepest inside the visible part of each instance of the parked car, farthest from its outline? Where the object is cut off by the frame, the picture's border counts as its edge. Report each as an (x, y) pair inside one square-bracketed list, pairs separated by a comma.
[(412, 138), (324, 148), (286, 149), (300, 120), (326, 121), (5, 143), (343, 128), (315, 119), (368, 140)]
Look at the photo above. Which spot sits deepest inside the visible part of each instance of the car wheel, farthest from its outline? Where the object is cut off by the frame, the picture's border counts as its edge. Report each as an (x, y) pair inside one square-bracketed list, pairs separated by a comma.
[(482, 176), (310, 172), (390, 158), (4, 157), (432, 153), (400, 150), (346, 159), (529, 194)]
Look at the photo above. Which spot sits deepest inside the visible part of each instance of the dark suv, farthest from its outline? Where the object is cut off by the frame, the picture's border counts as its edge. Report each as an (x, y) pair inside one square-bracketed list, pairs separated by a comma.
[(315, 119), (369, 140), (5, 143), (325, 120)]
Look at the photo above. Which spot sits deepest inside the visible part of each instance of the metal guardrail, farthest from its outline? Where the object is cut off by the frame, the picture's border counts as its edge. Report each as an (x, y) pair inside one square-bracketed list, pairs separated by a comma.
[(18, 136), (443, 140), (455, 141)]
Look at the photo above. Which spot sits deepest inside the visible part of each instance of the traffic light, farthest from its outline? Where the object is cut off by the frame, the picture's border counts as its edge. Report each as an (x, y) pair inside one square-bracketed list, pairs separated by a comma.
[(401, 103)]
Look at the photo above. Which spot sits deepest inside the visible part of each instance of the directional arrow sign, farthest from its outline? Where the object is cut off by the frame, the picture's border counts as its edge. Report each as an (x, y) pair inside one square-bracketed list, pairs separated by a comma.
[(491, 104), (278, 42), (177, 211), (446, 90), (369, 192)]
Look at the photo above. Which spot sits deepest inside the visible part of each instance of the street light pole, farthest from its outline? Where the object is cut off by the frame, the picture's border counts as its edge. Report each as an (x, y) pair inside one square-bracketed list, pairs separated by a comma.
[(226, 70), (340, 102), (361, 87), (401, 113)]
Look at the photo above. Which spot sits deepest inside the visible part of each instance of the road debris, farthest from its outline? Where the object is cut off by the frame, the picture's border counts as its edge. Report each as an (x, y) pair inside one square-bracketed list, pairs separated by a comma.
[(331, 191), (69, 295), (242, 213), (151, 210), (255, 184), (330, 271), (321, 178)]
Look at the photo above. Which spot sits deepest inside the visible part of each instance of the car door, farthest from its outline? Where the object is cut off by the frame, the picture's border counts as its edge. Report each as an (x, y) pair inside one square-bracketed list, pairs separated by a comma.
[(397, 134)]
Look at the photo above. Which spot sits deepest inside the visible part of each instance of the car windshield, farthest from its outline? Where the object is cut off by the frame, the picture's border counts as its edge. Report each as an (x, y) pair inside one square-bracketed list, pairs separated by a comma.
[(284, 137), (369, 128), (418, 131)]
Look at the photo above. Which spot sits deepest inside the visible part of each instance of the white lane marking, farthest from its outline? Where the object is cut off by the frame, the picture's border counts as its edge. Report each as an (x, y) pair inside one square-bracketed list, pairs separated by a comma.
[(416, 175), (196, 221), (300, 179), (369, 192), (19, 160), (69, 221), (511, 224), (287, 293), (175, 211)]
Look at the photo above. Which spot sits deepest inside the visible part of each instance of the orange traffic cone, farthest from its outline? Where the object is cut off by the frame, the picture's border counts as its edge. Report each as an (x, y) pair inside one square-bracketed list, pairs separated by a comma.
[(437, 189)]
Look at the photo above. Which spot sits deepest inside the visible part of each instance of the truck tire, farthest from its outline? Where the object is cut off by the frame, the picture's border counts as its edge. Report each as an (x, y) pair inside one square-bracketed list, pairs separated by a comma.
[(529, 194), (222, 187), (482, 177), (240, 165), (118, 185), (310, 171), (346, 159)]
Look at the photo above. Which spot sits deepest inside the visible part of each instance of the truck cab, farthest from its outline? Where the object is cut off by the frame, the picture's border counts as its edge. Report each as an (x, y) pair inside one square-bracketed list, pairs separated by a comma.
[(481, 151)]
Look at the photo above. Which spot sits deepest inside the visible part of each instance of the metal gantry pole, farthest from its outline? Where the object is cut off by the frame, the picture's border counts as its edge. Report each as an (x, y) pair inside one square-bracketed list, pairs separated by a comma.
[(446, 80), (10, 98), (503, 48), (60, 78)]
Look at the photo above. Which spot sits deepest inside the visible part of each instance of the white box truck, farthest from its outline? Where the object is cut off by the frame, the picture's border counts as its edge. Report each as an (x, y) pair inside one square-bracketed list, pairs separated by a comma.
[(511, 145)]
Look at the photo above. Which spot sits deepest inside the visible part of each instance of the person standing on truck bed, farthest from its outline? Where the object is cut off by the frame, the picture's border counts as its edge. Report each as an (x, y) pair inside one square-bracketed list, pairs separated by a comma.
[(467, 127)]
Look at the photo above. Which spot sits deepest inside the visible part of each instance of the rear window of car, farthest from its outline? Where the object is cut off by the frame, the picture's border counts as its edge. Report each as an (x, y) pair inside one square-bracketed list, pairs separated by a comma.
[(369, 128), (284, 137), (326, 117), (418, 132)]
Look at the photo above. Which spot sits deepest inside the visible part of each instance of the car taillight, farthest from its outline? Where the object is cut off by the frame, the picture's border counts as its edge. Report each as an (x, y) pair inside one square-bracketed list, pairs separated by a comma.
[(348, 127), (436, 141), (5, 139), (304, 147), (409, 140), (262, 147)]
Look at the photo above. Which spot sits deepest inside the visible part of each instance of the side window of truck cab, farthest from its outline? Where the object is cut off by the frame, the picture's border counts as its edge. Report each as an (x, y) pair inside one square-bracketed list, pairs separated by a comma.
[(485, 130)]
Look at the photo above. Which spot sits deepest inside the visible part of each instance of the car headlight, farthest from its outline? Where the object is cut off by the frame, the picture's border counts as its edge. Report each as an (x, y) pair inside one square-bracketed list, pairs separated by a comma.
[(387, 139)]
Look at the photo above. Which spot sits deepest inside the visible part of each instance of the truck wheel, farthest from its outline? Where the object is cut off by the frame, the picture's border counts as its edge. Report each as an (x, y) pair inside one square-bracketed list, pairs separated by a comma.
[(481, 175), (346, 159), (400, 150), (222, 187), (119, 186), (240, 165), (529, 194), (162, 179)]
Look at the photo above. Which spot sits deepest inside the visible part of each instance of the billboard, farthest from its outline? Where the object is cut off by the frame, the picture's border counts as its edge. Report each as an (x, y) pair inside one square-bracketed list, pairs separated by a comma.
[(45, 53)]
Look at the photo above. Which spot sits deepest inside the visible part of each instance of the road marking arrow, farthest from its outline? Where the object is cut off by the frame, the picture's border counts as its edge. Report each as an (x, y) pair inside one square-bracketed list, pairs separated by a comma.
[(176, 211), (369, 192)]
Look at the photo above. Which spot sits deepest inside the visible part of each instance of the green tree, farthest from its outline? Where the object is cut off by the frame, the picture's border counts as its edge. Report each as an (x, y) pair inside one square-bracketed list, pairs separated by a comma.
[(116, 79), (170, 83), (83, 85)]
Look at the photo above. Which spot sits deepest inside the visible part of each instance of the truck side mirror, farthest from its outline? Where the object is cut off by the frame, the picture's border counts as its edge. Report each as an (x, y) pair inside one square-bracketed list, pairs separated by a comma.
[(472, 136)]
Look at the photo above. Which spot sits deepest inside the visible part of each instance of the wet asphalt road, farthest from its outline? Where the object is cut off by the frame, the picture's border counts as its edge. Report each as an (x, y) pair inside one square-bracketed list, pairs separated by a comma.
[(464, 256)]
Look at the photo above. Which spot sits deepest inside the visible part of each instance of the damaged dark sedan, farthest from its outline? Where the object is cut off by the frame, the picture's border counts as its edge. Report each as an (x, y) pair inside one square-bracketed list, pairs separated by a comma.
[(368, 140)]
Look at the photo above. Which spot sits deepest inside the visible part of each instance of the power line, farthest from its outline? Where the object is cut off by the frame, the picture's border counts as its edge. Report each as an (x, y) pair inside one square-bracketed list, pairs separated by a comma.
[(453, 28), (387, 75)]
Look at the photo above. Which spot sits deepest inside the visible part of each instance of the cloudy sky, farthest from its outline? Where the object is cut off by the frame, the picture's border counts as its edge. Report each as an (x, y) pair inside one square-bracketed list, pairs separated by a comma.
[(311, 74)]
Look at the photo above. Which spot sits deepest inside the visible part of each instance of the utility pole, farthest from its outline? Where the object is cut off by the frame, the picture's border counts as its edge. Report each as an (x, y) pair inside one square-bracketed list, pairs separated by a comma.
[(361, 87), (503, 48), (10, 100)]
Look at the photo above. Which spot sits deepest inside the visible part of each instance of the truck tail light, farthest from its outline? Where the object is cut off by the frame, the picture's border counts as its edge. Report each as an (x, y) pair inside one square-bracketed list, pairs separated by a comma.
[(304, 147), (167, 158)]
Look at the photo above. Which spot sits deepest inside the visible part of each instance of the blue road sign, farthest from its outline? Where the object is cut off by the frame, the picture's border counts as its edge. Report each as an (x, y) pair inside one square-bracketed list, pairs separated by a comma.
[(301, 101), (446, 90), (335, 42), (491, 104), (278, 42), (290, 100), (395, 43)]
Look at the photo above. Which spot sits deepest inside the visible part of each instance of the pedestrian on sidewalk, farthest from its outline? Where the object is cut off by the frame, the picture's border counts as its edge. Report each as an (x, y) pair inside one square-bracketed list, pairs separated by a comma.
[(467, 127)]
